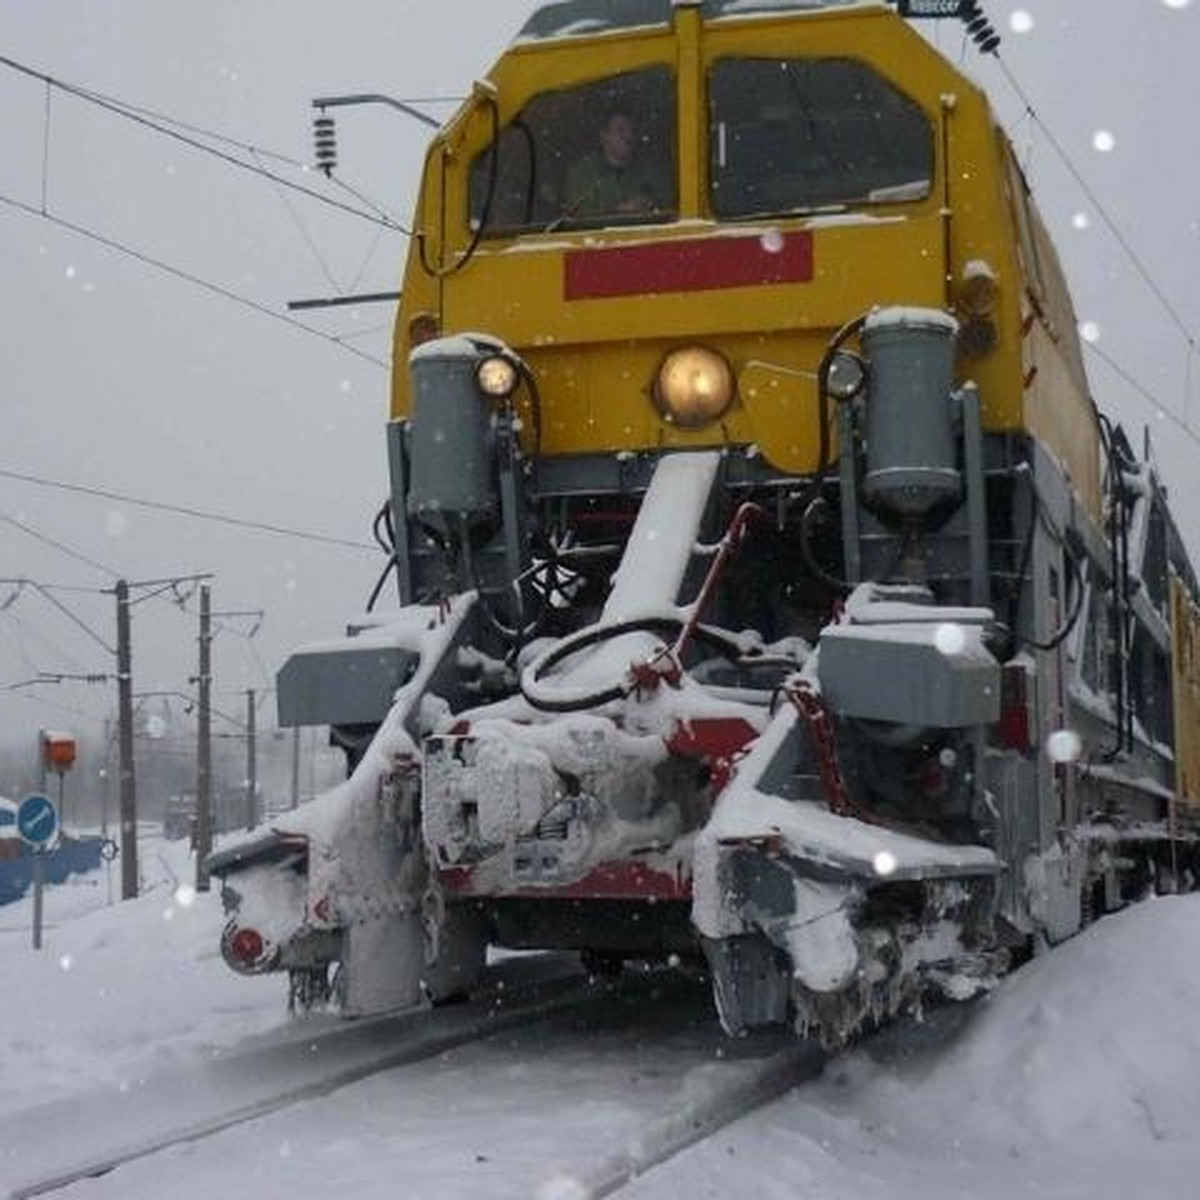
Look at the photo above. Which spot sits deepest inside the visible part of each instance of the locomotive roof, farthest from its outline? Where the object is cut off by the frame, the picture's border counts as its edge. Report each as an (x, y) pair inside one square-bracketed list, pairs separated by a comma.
[(578, 18)]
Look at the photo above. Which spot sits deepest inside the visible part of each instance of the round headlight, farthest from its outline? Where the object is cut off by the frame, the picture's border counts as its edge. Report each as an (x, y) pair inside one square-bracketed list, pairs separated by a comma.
[(846, 377), (497, 377), (693, 386), (979, 291)]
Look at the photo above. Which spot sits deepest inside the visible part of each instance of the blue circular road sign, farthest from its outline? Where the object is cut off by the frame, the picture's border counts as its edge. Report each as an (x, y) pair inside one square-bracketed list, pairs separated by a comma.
[(37, 820)]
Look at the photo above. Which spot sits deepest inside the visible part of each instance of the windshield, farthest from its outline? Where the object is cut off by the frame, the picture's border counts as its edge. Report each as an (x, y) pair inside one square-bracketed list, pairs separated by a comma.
[(599, 153), (800, 134)]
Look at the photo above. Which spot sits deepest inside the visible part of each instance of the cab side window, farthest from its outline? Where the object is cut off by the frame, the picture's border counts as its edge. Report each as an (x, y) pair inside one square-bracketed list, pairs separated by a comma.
[(798, 135), (597, 154)]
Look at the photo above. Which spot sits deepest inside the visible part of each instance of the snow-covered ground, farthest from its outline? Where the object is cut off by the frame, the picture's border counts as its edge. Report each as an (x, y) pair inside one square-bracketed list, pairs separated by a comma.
[(1079, 1077), (119, 991)]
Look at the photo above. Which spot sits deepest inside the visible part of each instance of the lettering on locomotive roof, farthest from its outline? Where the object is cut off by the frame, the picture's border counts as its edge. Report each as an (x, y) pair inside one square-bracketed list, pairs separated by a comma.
[(578, 18), (687, 265)]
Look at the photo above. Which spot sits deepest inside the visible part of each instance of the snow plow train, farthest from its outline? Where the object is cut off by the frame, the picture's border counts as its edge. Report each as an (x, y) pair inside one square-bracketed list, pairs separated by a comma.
[(772, 594)]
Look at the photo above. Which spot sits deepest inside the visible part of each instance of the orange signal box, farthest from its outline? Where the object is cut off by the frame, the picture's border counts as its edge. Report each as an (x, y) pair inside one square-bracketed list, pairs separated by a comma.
[(58, 751)]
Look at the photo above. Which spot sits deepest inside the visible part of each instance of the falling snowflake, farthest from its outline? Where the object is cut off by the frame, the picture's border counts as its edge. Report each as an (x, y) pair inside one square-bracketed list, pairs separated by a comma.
[(1103, 141), (1064, 746), (884, 863), (949, 638), (1021, 21)]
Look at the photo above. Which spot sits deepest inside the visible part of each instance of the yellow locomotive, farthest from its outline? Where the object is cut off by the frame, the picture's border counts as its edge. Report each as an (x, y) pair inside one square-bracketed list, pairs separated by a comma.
[(771, 589)]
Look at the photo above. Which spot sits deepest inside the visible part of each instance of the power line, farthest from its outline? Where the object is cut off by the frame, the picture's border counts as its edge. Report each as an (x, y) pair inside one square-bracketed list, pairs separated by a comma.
[(258, 662), (46, 595), (126, 106), (1109, 222), (307, 237), (183, 510), (1159, 407), (129, 113), (49, 541), (73, 712), (30, 634), (178, 272)]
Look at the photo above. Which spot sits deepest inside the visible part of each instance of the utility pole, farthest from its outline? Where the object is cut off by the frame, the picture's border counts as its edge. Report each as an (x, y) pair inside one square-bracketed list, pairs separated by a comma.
[(43, 769), (204, 821), (129, 852), (105, 780), (251, 764)]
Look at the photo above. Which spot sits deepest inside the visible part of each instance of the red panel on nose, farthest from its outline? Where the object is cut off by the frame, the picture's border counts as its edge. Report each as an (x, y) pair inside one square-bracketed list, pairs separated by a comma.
[(688, 265)]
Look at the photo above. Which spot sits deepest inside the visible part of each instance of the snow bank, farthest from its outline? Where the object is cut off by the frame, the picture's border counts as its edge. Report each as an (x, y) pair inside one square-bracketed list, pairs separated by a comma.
[(1077, 1078), (1098, 1039)]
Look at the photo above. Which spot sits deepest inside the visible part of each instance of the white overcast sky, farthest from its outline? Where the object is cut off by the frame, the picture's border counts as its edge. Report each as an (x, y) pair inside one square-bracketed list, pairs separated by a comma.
[(118, 377)]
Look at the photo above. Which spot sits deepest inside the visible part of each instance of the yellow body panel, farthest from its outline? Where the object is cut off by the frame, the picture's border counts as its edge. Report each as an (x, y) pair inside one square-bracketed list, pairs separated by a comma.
[(595, 358)]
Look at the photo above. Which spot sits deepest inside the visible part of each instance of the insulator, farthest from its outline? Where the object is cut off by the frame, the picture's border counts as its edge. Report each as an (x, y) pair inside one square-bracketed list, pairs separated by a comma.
[(325, 143), (989, 44), (978, 23)]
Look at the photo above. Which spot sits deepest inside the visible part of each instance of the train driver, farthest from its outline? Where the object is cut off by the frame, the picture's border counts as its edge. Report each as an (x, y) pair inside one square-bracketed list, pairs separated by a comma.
[(615, 179)]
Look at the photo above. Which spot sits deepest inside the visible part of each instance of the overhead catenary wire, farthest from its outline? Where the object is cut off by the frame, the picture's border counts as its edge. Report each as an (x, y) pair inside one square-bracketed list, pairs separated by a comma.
[(258, 663), (128, 112), (57, 545), (179, 273), (29, 634), (186, 511), (74, 618), (78, 713), (1159, 294), (1161, 409), (305, 235), (248, 147)]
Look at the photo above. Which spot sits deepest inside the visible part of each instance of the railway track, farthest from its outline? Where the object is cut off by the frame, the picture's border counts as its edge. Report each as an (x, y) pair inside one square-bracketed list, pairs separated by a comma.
[(46, 1148), (542, 1048)]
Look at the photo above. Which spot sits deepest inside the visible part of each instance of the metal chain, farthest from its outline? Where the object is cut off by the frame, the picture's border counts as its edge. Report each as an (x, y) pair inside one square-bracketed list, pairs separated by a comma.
[(815, 715)]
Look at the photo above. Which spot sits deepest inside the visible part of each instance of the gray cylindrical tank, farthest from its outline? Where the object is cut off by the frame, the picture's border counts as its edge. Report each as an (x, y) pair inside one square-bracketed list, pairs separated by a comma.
[(451, 443), (911, 453)]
